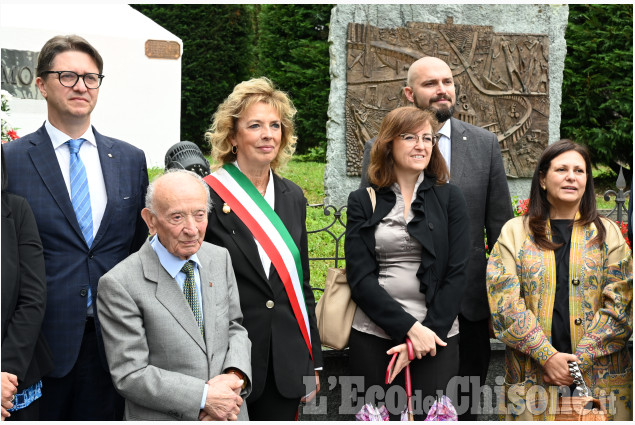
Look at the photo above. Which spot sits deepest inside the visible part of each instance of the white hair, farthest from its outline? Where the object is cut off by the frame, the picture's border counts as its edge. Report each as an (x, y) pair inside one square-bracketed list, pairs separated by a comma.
[(151, 186)]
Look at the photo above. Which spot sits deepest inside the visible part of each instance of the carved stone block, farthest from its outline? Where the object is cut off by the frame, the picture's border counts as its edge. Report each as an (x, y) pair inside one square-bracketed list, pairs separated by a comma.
[(501, 80)]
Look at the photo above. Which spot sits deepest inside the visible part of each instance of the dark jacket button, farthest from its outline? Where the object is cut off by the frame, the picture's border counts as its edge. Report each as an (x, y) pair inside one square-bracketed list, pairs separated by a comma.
[(578, 322), (431, 226), (575, 281)]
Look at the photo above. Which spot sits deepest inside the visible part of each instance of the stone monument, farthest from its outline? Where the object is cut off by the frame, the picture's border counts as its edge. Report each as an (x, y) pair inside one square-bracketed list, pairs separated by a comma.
[(507, 63)]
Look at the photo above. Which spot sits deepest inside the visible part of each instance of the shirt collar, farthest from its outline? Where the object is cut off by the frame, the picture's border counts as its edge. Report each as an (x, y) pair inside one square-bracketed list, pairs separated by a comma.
[(397, 189), (446, 130), (170, 262), (58, 137)]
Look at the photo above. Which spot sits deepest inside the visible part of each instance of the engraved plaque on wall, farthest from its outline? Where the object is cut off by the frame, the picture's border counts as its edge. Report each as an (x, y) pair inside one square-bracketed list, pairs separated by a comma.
[(162, 49), (501, 82), (18, 73)]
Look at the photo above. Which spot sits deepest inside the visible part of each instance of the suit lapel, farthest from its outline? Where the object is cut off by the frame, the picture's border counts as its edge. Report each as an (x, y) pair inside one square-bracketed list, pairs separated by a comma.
[(209, 273), (280, 206), (460, 140), (386, 199), (109, 159), (169, 294), (45, 163), (243, 238)]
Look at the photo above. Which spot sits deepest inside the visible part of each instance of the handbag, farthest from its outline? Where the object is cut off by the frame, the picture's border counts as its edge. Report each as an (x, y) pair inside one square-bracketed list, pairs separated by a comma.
[(582, 407), (336, 309)]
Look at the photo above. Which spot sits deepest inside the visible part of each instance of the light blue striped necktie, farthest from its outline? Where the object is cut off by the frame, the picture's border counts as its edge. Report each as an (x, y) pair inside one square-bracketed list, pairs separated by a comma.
[(80, 196)]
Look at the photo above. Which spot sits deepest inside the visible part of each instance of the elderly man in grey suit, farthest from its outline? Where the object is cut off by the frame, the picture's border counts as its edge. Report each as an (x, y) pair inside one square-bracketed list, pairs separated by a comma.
[(476, 167), (171, 316)]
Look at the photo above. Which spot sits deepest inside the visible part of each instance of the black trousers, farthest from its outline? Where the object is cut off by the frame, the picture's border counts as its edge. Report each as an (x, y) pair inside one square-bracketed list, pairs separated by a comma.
[(86, 392), (429, 375), (271, 405), (474, 361)]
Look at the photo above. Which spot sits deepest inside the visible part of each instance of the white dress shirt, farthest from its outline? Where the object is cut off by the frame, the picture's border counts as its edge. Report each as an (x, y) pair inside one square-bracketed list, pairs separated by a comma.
[(445, 145)]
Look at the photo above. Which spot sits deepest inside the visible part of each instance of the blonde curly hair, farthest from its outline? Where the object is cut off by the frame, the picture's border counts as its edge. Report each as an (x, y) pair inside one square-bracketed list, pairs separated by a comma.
[(244, 95)]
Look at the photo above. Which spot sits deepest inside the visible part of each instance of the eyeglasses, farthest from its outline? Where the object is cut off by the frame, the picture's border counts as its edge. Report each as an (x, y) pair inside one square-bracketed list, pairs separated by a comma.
[(426, 138), (70, 78)]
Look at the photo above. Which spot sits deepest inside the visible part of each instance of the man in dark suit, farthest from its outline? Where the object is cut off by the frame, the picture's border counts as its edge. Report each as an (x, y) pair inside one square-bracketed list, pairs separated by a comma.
[(476, 167), (86, 191)]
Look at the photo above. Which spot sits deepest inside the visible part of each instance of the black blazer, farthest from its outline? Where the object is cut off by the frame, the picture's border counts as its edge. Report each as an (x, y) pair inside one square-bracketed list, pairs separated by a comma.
[(25, 352), (441, 225), (271, 330)]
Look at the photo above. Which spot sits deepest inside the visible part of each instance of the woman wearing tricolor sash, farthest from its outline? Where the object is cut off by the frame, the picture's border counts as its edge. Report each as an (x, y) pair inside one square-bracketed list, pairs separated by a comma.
[(260, 218)]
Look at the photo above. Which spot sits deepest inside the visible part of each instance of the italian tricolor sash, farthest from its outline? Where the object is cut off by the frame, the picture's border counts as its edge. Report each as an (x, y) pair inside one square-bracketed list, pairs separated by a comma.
[(253, 210)]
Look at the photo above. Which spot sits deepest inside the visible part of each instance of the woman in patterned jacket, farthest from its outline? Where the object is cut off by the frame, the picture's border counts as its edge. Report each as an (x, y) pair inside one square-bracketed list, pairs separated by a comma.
[(560, 289)]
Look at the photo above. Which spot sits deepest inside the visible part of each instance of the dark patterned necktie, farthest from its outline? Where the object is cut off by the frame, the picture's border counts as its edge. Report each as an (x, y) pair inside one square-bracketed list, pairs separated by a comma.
[(189, 289)]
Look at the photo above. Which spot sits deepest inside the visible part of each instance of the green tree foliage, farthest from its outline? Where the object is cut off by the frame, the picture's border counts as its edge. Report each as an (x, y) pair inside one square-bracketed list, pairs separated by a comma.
[(597, 93), (293, 52), (218, 53)]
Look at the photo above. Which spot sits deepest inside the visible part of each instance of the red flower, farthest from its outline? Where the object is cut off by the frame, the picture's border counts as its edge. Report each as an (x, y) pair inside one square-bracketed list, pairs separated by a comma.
[(12, 134), (522, 208), (624, 230)]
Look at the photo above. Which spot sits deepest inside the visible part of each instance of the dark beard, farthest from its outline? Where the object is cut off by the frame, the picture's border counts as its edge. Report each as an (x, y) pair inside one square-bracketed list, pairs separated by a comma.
[(444, 114)]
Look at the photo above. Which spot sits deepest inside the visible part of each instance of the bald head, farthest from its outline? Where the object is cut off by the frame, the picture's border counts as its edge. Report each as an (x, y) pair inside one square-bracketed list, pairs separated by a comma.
[(430, 84), (170, 182), (424, 63), (177, 204)]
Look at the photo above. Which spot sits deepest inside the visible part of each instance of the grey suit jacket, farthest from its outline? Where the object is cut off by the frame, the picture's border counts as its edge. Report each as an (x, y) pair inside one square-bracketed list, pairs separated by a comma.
[(477, 169), (158, 358)]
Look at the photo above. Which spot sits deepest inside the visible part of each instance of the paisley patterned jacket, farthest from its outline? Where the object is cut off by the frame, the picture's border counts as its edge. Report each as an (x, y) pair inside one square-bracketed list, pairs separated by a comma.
[(521, 282)]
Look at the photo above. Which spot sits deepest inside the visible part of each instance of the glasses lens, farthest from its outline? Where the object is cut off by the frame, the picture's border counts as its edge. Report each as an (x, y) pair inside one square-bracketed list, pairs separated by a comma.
[(427, 139), (92, 81), (410, 138), (68, 78)]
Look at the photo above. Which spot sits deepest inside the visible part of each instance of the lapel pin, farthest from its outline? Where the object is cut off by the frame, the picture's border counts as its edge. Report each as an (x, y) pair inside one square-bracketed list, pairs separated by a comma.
[(109, 155), (211, 284), (226, 208), (464, 138)]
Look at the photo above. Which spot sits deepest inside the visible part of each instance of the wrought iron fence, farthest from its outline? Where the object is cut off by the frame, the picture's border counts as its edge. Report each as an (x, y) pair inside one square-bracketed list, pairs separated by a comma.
[(620, 199)]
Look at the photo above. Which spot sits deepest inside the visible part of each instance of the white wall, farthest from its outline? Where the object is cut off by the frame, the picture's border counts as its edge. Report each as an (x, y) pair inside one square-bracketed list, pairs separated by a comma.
[(140, 98)]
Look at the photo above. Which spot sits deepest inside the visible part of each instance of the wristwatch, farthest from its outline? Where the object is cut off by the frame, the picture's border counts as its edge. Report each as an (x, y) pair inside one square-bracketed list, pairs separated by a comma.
[(239, 374)]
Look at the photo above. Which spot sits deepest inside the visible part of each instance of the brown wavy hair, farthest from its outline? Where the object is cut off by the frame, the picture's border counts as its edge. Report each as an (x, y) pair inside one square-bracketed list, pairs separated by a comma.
[(244, 95), (381, 170), (539, 206)]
